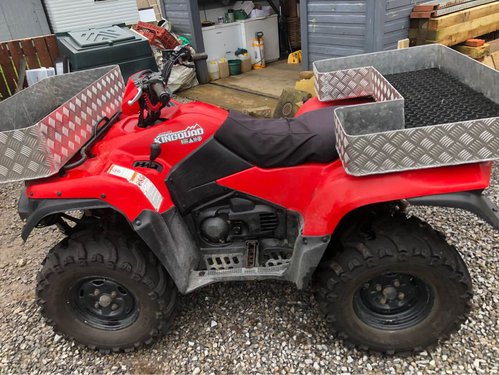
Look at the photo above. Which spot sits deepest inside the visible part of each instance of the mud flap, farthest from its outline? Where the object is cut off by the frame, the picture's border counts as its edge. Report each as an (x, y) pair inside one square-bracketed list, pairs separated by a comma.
[(34, 210), (169, 239), (472, 201), (307, 255)]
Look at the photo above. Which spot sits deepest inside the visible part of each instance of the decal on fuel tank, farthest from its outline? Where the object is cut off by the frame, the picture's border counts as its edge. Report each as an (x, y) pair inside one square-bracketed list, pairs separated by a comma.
[(191, 134), (145, 185)]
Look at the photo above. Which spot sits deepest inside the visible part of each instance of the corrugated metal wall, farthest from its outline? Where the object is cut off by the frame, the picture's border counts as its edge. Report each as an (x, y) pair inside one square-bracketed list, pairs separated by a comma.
[(395, 22), (67, 15), (22, 19), (333, 28), (184, 15)]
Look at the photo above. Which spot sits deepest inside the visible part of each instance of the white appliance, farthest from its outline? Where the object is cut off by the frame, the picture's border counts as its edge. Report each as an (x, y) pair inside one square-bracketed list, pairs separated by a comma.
[(269, 27), (224, 39)]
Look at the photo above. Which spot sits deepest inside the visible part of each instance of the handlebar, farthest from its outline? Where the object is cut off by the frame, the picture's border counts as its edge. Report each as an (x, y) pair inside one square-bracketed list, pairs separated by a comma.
[(199, 56), (152, 91), (153, 84), (161, 93)]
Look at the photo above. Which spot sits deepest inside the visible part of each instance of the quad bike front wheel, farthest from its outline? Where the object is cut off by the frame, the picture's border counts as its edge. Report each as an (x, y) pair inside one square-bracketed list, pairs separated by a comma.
[(395, 285), (105, 291)]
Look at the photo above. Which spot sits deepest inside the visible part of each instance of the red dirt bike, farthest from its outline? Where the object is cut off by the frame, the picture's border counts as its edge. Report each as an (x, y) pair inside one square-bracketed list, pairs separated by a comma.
[(168, 197)]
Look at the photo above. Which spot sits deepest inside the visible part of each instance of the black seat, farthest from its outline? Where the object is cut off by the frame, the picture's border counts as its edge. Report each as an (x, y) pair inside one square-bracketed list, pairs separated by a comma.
[(271, 143)]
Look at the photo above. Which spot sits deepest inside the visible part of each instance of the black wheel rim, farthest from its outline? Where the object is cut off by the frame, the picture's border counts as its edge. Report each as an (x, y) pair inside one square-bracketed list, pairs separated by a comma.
[(103, 303), (393, 301)]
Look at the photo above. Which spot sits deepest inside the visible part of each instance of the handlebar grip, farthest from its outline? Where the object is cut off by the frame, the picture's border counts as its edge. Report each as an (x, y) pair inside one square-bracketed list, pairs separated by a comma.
[(199, 56), (161, 93)]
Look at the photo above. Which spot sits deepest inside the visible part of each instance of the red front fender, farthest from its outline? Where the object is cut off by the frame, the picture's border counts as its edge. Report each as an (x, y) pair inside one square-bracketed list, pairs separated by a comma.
[(324, 194)]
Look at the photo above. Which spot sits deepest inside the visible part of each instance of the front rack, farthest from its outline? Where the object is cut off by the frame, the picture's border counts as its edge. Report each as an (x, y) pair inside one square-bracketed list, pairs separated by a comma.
[(45, 125)]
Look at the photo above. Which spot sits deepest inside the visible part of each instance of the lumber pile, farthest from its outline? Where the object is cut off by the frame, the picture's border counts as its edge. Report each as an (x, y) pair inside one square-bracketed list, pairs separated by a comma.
[(452, 22), (487, 52), (492, 59), (475, 48)]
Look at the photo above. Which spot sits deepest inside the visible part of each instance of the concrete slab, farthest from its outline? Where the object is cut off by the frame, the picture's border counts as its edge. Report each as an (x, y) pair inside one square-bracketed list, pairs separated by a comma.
[(268, 82), (228, 98), (249, 91)]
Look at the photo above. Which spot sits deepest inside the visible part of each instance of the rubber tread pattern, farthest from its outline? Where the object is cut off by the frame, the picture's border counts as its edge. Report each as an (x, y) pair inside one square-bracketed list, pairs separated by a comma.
[(129, 255), (360, 249), (433, 97)]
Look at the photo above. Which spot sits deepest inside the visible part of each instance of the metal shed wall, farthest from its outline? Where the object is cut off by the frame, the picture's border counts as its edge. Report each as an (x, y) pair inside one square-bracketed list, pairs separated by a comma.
[(184, 15), (69, 15), (22, 19), (334, 28), (394, 23)]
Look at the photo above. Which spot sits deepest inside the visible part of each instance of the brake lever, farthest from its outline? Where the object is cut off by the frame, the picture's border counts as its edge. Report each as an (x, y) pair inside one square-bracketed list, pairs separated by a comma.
[(137, 97)]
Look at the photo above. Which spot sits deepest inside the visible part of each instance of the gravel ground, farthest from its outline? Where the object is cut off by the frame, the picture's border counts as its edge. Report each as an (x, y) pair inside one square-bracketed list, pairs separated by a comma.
[(261, 327)]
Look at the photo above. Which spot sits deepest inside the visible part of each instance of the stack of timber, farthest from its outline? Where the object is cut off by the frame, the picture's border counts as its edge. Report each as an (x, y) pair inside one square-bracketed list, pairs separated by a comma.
[(451, 22), (475, 48), (487, 52)]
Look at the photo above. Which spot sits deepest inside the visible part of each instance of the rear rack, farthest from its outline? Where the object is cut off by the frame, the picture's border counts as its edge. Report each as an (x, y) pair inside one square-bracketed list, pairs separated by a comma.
[(384, 136)]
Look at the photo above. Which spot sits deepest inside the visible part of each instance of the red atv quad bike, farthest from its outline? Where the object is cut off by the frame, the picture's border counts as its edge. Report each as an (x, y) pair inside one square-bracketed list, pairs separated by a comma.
[(166, 198)]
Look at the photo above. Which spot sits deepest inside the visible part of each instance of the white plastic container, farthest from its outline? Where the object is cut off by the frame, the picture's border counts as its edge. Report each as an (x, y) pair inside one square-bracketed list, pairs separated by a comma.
[(35, 75), (269, 27), (264, 12), (258, 57), (213, 70)]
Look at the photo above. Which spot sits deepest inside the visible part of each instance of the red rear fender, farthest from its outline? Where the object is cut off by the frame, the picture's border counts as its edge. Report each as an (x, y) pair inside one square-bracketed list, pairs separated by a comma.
[(324, 194)]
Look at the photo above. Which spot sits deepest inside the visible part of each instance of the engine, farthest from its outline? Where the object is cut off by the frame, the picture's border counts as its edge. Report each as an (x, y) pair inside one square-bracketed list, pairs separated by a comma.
[(240, 218), (239, 232)]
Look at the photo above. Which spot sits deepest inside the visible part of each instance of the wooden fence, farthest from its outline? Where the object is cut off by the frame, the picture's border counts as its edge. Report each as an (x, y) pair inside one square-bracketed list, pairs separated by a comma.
[(32, 53)]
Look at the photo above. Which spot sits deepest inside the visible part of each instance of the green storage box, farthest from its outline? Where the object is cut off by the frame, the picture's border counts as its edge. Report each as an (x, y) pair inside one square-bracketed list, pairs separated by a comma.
[(86, 49)]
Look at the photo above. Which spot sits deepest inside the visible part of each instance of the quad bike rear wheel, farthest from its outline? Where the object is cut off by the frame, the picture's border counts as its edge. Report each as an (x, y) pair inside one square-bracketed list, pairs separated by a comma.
[(395, 285), (105, 291)]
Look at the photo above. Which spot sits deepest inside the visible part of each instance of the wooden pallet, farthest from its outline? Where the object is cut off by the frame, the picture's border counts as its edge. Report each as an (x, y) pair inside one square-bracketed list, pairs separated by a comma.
[(457, 27), (35, 52)]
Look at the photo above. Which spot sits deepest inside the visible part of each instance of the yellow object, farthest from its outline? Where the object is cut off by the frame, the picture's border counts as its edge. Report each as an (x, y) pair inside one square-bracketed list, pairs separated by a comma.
[(295, 57), (307, 85), (258, 48)]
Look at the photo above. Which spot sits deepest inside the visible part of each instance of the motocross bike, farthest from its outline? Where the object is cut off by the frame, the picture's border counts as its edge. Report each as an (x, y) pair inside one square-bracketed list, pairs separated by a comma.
[(167, 198)]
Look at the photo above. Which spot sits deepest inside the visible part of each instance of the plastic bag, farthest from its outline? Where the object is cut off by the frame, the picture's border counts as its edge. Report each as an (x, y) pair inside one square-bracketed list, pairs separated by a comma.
[(182, 78)]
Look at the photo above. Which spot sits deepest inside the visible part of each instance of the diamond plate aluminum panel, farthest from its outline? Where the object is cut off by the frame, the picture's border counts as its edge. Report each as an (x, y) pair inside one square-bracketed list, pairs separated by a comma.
[(353, 83), (44, 126), (372, 138), (417, 148)]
